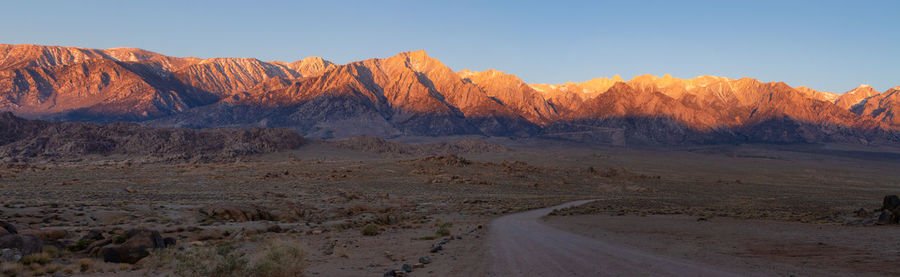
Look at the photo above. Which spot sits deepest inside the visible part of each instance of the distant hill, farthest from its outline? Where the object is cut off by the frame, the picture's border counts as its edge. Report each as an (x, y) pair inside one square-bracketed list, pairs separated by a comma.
[(34, 139)]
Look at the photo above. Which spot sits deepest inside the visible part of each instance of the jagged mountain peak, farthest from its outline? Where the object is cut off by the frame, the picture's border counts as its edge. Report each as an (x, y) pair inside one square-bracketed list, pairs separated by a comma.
[(884, 107), (490, 74), (418, 60), (230, 60), (311, 66), (29, 55), (856, 96), (819, 95), (415, 54), (863, 88), (408, 93)]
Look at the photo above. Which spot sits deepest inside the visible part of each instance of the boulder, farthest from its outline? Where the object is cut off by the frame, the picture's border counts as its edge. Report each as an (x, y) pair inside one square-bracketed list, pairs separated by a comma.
[(94, 248), (425, 260), (890, 202), (10, 255), (170, 241), (144, 238), (395, 273), (886, 217), (895, 215), (862, 212), (135, 248), (123, 254), (26, 244), (7, 228), (274, 229)]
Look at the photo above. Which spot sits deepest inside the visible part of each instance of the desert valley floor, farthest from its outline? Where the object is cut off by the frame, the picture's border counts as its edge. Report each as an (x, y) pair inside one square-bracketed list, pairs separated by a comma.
[(365, 206)]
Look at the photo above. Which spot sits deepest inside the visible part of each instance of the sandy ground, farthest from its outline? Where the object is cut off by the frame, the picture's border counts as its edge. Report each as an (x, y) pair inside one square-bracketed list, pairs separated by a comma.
[(752, 247), (522, 245), (355, 255)]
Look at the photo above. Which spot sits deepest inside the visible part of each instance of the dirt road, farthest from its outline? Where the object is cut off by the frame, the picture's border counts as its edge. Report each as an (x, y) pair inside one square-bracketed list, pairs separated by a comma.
[(521, 245)]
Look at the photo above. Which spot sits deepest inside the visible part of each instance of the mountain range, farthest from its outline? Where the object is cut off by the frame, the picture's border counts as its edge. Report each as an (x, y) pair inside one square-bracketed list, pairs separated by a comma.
[(413, 94)]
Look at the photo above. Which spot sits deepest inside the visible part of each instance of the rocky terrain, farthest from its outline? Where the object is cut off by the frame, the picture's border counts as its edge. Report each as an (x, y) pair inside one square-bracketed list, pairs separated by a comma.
[(25, 140), (382, 146), (369, 206), (413, 94)]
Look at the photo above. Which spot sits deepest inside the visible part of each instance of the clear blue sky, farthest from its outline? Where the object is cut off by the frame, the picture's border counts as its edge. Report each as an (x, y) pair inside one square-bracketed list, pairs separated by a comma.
[(827, 45)]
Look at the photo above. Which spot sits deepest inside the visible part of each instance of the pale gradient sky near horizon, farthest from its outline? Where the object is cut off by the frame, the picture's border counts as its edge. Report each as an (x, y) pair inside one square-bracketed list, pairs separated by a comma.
[(826, 45)]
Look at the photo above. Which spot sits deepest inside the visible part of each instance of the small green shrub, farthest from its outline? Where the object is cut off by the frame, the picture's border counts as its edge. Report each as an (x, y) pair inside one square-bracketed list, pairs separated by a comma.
[(11, 269), (276, 258), (86, 265), (219, 261), (370, 229), (79, 245), (160, 258), (444, 229), (52, 251), (53, 268), (36, 258), (280, 258), (119, 238)]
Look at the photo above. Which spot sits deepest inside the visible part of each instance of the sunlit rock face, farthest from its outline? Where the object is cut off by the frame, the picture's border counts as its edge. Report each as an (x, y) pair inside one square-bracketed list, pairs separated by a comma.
[(883, 107), (414, 94)]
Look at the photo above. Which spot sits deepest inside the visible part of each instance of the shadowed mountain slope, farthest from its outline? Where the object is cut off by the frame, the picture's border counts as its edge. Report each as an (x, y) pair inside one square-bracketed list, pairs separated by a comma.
[(34, 139), (414, 94)]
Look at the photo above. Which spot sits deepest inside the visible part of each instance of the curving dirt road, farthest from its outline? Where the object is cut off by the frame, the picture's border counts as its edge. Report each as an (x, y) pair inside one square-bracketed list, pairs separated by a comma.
[(520, 245)]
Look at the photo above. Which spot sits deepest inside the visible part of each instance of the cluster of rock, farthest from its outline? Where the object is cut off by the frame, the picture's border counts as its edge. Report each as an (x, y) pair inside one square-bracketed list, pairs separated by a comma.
[(446, 160), (136, 246), (34, 139), (237, 212), (405, 269), (379, 145), (14, 246), (123, 247)]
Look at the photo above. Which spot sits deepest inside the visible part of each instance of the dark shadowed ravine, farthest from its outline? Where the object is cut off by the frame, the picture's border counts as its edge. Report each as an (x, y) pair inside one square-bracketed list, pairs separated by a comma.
[(521, 245)]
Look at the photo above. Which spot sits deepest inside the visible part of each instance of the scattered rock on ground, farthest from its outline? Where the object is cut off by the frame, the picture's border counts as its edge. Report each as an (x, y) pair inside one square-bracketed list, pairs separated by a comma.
[(425, 260), (394, 273), (236, 212)]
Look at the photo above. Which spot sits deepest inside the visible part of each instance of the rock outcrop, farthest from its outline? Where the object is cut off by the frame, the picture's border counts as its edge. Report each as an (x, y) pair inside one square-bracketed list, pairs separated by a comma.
[(25, 244), (136, 246), (34, 139)]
